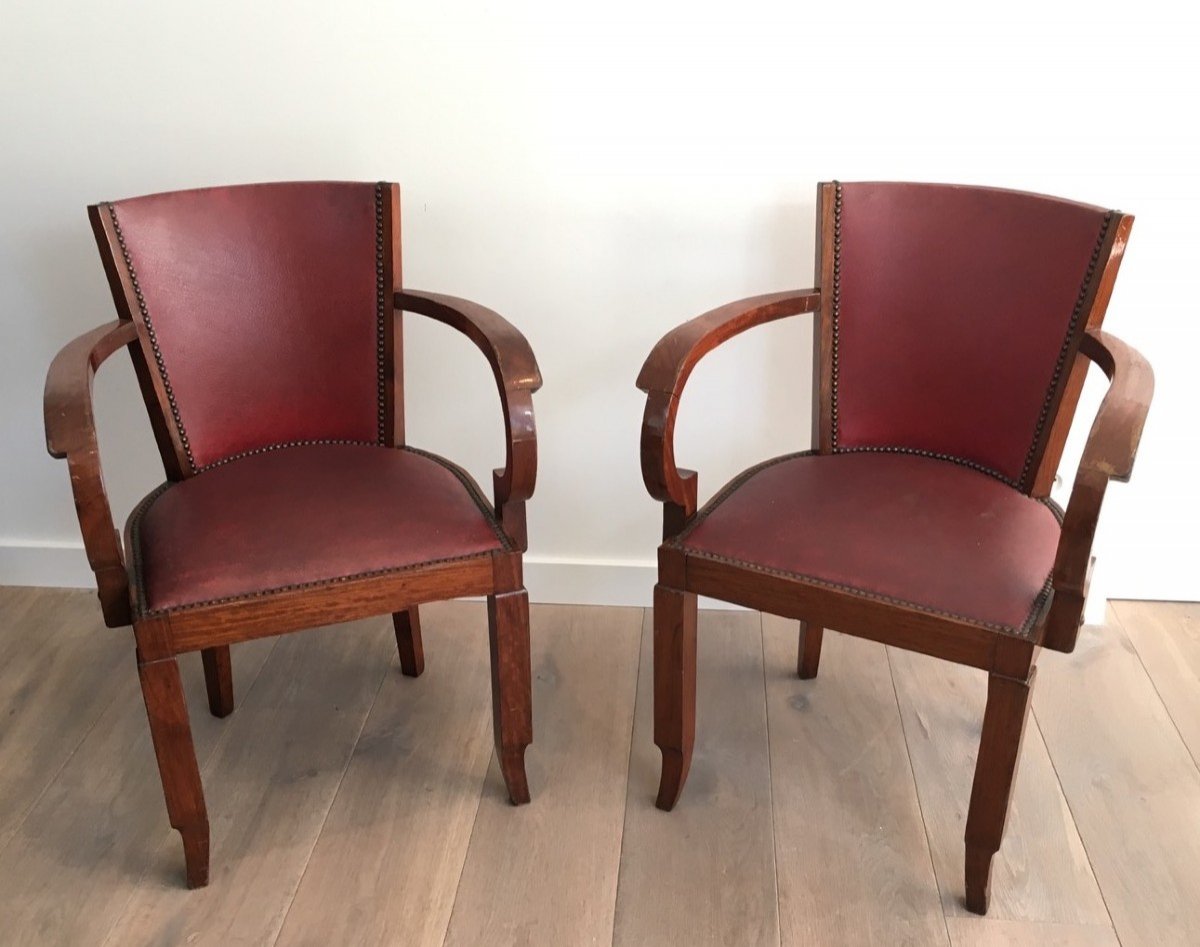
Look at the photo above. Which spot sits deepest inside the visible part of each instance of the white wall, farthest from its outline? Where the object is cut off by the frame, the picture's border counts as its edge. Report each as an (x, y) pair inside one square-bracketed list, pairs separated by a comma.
[(597, 178)]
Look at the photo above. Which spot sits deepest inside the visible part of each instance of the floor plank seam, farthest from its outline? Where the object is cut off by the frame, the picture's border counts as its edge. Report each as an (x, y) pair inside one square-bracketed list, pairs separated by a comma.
[(628, 771), (15, 830), (213, 753), (329, 808), (762, 641), (1116, 612), (917, 792)]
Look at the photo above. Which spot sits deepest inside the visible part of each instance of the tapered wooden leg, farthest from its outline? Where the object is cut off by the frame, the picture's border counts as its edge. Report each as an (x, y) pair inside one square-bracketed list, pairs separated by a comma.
[(809, 658), (995, 772), (171, 732), (512, 695), (408, 641), (674, 689), (218, 680)]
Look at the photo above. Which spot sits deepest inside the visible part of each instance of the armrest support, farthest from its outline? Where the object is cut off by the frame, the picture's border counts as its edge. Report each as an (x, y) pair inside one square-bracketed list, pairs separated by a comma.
[(517, 378), (71, 433), (666, 371), (1108, 455)]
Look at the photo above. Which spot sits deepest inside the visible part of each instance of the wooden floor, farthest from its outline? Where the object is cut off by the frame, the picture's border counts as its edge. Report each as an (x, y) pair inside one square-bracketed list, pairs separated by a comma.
[(351, 805)]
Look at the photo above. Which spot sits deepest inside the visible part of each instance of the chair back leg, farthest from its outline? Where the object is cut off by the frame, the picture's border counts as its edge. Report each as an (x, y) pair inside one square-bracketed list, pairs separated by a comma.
[(218, 680), (674, 688), (995, 773), (171, 732), (512, 693), (408, 641), (809, 658)]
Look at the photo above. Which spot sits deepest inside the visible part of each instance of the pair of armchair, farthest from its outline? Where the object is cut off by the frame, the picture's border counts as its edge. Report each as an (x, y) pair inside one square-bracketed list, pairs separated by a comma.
[(264, 327)]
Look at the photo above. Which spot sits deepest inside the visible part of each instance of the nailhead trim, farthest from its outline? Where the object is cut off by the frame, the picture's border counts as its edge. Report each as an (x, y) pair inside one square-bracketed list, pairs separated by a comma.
[(1071, 339), (143, 507), (1021, 484), (381, 311), (158, 356), (932, 455), (266, 449), (836, 308), (380, 346), (677, 542)]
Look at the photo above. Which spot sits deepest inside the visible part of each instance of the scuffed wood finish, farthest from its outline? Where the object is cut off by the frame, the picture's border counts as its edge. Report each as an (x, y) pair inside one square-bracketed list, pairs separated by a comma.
[(517, 377), (547, 874), (1108, 455), (1006, 655), (386, 867), (211, 627), (1042, 872), (666, 371), (705, 874), (71, 433), (274, 779), (851, 853), (94, 837)]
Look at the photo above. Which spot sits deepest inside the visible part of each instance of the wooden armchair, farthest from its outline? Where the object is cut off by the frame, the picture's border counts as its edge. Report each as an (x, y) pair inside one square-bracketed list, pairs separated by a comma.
[(948, 329), (265, 330)]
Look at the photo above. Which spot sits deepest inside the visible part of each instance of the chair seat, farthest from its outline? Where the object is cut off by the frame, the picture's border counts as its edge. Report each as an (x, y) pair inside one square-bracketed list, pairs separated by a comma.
[(914, 530), (304, 516)]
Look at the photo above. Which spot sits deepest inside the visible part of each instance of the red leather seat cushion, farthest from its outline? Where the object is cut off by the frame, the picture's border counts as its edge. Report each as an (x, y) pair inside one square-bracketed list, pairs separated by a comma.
[(917, 530), (303, 515)]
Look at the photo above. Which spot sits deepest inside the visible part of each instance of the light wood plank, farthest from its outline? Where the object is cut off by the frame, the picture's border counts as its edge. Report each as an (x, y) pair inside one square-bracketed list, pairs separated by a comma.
[(546, 873), (1041, 872), (388, 861), (704, 873), (269, 789), (853, 861), (1167, 638), (1131, 783), (82, 852), (62, 668), (985, 932)]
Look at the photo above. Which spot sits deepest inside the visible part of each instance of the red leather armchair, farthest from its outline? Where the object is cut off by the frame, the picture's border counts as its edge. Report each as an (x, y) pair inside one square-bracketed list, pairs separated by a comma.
[(952, 331), (264, 324)]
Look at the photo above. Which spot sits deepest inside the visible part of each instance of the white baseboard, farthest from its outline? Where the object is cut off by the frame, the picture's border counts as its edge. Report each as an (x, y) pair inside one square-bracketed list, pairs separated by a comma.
[(551, 580)]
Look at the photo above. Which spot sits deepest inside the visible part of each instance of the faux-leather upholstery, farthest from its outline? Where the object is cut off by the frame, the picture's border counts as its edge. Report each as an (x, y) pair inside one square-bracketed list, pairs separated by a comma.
[(303, 515), (916, 530), (953, 307), (263, 303)]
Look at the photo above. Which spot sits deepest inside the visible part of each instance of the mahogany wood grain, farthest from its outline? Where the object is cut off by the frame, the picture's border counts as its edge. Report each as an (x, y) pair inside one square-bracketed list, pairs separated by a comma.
[(1005, 654), (512, 684), (210, 627), (407, 625), (218, 680)]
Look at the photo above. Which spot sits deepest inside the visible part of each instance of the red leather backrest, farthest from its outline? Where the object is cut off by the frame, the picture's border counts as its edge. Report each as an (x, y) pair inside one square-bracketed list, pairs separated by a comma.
[(265, 305), (953, 308)]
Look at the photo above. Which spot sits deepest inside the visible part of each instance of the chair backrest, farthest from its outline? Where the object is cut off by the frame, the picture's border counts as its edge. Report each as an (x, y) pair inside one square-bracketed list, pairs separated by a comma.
[(267, 313), (951, 320)]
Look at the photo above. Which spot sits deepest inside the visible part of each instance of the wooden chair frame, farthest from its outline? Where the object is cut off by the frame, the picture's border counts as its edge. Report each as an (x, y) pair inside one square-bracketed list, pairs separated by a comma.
[(211, 628), (1009, 660)]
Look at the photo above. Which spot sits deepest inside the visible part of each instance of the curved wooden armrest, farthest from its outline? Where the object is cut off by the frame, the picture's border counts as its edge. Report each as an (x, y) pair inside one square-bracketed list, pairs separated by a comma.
[(1108, 455), (666, 371), (71, 433), (517, 377)]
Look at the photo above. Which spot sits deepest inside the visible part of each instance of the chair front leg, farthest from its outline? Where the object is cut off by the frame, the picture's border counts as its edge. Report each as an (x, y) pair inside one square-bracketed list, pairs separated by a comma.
[(995, 773), (218, 680), (408, 641), (809, 658), (512, 694), (171, 732), (674, 688)]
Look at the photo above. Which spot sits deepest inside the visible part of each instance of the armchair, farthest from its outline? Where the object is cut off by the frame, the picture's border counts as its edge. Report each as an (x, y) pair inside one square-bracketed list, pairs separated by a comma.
[(951, 330), (264, 323)]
